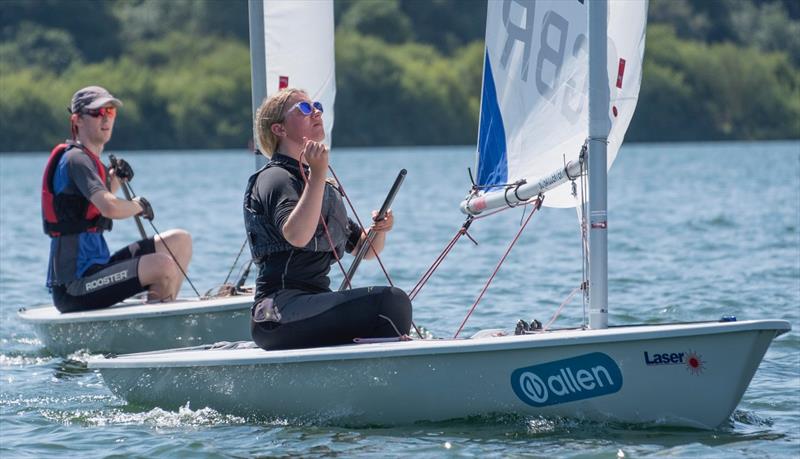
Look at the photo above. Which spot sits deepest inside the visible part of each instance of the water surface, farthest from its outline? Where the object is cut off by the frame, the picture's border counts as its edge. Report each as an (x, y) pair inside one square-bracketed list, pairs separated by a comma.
[(696, 231)]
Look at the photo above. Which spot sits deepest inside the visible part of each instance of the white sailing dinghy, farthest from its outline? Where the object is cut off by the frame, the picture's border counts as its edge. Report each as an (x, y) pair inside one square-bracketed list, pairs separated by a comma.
[(534, 111), (133, 326), (136, 326)]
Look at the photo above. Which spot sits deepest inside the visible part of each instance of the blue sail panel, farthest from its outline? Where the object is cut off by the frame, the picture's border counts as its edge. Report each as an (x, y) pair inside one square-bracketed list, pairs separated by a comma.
[(535, 95), (492, 160)]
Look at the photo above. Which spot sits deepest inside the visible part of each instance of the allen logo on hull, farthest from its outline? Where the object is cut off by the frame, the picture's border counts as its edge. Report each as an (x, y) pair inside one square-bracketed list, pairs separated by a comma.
[(567, 380)]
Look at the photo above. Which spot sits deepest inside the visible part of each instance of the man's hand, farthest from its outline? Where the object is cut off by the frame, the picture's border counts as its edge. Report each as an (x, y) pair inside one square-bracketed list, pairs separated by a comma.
[(123, 170), (147, 209)]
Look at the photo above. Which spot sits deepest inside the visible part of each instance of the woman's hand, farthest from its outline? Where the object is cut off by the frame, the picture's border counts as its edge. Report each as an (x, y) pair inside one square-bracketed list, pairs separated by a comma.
[(316, 155), (302, 222), (382, 226)]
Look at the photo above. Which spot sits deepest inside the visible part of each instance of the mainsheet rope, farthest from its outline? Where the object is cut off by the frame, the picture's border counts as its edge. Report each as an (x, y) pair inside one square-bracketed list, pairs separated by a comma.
[(367, 240), (358, 220), (463, 231), (158, 233), (241, 249), (324, 225), (538, 204)]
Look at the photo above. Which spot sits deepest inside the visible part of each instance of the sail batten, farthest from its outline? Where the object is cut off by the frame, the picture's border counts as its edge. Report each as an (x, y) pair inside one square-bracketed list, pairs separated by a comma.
[(536, 87)]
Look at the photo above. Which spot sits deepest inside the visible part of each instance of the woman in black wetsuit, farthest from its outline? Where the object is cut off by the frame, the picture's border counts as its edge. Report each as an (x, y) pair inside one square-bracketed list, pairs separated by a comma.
[(294, 306)]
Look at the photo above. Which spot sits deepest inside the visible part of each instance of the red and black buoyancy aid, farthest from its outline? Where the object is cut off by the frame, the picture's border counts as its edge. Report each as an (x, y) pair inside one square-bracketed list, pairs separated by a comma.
[(67, 213)]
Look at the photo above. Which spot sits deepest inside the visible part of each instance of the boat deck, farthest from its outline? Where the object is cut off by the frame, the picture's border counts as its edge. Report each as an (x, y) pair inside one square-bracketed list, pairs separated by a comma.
[(138, 308)]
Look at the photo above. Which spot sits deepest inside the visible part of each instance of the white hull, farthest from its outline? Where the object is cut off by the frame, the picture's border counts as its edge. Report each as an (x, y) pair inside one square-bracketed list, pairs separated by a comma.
[(550, 374), (134, 326)]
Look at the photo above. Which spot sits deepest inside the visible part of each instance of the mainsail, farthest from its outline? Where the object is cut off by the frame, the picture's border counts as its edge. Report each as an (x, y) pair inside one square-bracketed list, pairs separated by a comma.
[(534, 105), (298, 51)]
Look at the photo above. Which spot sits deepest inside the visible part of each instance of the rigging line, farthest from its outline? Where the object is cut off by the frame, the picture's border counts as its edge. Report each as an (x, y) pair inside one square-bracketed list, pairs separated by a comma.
[(368, 241), (496, 185), (565, 302), (324, 225), (582, 210), (174, 258), (243, 273), (358, 220), (185, 276), (434, 266), (500, 263), (584, 245), (579, 213), (524, 210), (438, 261), (333, 249), (515, 186), (234, 262), (503, 209), (242, 268), (393, 325), (461, 232)]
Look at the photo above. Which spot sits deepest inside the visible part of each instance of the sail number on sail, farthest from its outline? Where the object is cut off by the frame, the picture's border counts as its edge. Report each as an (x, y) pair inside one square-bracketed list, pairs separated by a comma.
[(552, 40)]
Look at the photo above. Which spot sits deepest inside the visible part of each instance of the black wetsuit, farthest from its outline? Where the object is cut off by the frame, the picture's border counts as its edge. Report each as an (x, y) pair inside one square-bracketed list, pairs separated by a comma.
[(294, 306)]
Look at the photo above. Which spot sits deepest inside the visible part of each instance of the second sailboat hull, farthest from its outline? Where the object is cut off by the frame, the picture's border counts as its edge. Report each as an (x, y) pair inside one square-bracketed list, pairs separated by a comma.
[(134, 326)]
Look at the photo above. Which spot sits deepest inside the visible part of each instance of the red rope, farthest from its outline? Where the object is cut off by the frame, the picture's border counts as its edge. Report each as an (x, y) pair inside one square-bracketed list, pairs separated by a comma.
[(438, 261), (324, 225), (564, 303), (424, 279), (377, 257), (330, 240), (358, 220), (497, 268)]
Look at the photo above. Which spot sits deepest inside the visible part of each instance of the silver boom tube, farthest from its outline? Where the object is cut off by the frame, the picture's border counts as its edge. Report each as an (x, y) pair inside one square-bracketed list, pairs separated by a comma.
[(515, 194)]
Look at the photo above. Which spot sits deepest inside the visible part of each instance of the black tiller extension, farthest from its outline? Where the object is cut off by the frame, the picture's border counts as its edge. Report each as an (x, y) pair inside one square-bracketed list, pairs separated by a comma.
[(362, 251)]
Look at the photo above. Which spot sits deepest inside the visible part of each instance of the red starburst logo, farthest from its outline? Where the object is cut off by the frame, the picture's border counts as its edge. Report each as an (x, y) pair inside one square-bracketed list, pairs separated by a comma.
[(695, 363)]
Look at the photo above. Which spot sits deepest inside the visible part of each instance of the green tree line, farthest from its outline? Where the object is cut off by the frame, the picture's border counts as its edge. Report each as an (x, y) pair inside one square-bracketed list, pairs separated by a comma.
[(408, 71)]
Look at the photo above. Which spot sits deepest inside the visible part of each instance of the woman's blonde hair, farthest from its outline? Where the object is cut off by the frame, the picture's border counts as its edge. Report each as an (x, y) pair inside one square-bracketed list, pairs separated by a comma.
[(270, 112)]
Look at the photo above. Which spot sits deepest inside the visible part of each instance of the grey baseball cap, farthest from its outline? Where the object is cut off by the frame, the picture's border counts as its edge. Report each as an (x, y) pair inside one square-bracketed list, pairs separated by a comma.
[(92, 97)]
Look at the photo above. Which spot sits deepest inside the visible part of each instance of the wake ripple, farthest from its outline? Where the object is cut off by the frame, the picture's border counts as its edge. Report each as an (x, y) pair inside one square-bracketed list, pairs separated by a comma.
[(156, 417)]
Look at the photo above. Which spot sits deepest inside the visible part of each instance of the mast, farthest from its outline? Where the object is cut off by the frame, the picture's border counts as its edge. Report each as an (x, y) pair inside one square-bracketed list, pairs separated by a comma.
[(599, 127), (258, 65)]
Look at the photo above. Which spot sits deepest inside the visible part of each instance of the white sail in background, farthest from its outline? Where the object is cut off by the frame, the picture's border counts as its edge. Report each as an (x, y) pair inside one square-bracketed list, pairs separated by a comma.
[(534, 106), (299, 51)]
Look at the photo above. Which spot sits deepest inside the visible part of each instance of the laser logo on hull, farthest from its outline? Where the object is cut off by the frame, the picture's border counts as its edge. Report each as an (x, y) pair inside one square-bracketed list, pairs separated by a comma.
[(567, 380), (691, 359)]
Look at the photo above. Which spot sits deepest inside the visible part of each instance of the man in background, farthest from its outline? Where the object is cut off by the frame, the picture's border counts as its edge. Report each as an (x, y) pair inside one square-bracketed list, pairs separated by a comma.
[(78, 205)]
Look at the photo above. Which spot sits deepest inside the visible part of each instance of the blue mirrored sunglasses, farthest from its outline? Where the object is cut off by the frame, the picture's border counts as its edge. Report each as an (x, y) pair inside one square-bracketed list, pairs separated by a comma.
[(307, 108)]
